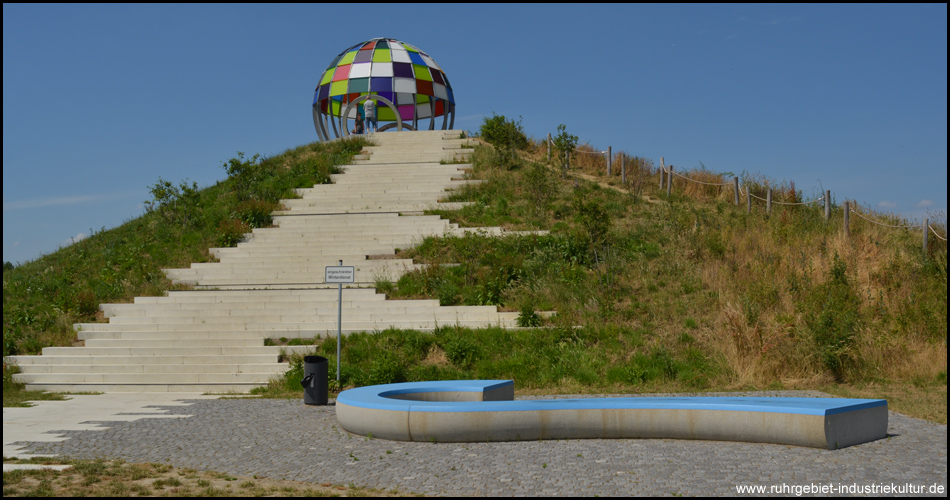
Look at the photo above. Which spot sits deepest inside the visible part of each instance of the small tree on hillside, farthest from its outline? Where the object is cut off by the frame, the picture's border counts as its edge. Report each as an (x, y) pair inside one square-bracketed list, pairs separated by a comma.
[(506, 135), (564, 144)]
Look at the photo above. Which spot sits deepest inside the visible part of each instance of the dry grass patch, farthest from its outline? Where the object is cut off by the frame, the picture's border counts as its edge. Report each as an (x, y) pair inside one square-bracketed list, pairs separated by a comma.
[(110, 478)]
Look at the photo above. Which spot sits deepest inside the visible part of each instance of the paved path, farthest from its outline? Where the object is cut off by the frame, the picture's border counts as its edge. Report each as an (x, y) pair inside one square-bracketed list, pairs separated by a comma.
[(287, 439)]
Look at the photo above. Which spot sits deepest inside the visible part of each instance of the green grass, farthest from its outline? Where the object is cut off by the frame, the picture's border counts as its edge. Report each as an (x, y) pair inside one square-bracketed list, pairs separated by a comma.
[(652, 292), (14, 393), (116, 478), (42, 299)]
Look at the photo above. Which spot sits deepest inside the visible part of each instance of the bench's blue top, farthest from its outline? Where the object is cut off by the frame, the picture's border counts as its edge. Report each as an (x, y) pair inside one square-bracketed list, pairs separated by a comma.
[(379, 397)]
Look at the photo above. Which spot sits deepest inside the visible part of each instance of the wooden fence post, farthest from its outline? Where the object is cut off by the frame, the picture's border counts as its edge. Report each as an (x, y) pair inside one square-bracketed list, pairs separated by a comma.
[(735, 182), (847, 218), (827, 204), (610, 160), (662, 172), (669, 183), (768, 203), (748, 199), (623, 169), (926, 229)]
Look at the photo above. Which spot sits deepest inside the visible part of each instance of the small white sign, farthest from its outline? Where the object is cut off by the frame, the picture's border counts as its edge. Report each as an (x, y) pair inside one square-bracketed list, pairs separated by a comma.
[(340, 274)]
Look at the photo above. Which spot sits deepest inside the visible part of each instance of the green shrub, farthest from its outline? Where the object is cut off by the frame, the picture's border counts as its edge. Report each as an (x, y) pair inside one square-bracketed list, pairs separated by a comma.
[(385, 368), (462, 351), (256, 213), (503, 133), (527, 317), (507, 136), (231, 232), (833, 319), (564, 144)]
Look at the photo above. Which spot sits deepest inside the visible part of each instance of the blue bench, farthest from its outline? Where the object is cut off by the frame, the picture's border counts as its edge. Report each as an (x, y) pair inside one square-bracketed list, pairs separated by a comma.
[(485, 410)]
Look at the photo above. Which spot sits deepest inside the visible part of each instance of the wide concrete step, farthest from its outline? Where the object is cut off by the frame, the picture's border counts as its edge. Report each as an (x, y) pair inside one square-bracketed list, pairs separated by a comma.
[(249, 263), (226, 388), (328, 207), (251, 322), (260, 368), (242, 296), (161, 351), (215, 336), (307, 329), (215, 299), (351, 301), (145, 378), (177, 343), (365, 233), (180, 360), (334, 244), (299, 272)]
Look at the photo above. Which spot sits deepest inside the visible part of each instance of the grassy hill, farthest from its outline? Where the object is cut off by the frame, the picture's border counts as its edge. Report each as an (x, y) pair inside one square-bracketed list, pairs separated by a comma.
[(686, 292)]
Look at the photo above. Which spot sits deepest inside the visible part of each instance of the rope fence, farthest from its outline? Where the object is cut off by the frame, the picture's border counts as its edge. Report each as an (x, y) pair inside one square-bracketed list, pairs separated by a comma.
[(666, 181), (935, 233), (881, 223)]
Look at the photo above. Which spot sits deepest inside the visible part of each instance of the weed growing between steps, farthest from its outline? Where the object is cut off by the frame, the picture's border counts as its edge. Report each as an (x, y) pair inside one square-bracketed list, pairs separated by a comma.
[(42, 299), (14, 393)]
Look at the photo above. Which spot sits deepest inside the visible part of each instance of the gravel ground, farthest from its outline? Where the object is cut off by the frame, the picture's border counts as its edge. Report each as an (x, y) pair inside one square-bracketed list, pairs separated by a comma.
[(287, 439)]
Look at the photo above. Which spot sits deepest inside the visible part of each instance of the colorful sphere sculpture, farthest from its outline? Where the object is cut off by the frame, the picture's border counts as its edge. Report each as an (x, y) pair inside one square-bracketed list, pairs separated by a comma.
[(406, 84)]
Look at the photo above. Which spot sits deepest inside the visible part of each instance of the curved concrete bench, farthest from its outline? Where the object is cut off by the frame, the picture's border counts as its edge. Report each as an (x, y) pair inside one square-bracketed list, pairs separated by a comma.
[(485, 410)]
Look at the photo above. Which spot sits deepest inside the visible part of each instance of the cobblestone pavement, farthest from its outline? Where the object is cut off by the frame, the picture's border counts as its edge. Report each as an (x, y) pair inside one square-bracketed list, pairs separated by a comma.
[(287, 439)]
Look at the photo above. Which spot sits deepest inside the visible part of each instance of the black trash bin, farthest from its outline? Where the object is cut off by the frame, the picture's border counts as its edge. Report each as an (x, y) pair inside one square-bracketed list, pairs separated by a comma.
[(314, 380)]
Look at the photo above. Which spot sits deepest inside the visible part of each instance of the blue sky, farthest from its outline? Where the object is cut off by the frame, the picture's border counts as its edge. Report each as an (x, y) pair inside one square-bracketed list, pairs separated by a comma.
[(99, 101)]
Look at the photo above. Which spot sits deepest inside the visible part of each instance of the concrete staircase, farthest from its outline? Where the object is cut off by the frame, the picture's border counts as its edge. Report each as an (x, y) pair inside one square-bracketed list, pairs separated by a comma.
[(211, 339)]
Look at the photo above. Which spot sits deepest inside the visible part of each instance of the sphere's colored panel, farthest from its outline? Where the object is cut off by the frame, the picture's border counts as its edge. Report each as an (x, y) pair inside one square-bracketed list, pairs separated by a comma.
[(404, 98), (439, 91), (363, 56), (424, 87), (386, 115), (400, 56), (341, 73), (421, 72), (358, 85), (382, 69), (403, 70), (381, 55), (429, 62), (404, 85), (361, 70), (406, 112), (338, 88), (416, 58), (347, 58), (381, 85)]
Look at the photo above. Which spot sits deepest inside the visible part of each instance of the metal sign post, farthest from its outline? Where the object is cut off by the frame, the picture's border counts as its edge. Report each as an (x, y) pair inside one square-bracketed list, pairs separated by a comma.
[(339, 274)]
